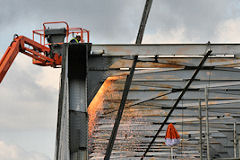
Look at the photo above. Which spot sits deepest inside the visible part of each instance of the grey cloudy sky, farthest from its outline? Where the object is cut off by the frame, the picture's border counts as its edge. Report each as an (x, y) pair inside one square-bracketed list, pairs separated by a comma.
[(29, 94)]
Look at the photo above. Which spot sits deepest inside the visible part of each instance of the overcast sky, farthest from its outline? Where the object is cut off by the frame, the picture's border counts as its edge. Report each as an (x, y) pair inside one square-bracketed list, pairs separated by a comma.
[(29, 94)]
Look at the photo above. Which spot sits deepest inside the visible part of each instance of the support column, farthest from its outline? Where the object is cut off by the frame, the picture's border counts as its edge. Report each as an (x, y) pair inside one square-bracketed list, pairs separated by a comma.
[(239, 146), (200, 129), (235, 139), (207, 122), (171, 153), (78, 118)]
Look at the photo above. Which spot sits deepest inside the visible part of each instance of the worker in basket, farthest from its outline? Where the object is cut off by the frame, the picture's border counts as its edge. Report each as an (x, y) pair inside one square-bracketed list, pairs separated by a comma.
[(76, 39)]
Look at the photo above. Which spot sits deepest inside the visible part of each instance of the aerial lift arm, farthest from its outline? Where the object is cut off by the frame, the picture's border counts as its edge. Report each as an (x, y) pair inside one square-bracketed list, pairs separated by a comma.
[(37, 51), (42, 54)]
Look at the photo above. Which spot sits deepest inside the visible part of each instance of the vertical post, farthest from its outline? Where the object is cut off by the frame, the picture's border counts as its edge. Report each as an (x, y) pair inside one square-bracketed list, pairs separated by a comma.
[(200, 128), (238, 146), (235, 139), (78, 118), (207, 122), (171, 153)]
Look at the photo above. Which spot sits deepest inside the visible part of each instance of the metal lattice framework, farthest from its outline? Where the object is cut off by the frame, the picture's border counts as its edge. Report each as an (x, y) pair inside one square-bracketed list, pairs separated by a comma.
[(161, 74), (132, 91)]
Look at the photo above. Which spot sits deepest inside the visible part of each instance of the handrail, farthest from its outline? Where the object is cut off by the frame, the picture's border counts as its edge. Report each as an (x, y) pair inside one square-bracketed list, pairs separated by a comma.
[(42, 37)]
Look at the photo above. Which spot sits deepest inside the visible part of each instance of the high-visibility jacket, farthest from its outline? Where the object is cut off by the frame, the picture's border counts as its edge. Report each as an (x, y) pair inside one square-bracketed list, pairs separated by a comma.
[(74, 40)]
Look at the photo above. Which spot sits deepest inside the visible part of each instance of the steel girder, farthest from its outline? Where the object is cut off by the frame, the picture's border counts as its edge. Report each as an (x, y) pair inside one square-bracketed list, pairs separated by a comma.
[(156, 84)]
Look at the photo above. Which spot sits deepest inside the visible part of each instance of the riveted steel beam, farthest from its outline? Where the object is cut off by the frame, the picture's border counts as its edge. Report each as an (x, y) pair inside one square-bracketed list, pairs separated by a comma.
[(165, 50)]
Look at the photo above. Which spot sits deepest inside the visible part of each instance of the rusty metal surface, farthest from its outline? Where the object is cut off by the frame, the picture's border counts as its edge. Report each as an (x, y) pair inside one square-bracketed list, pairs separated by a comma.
[(155, 87), (164, 49)]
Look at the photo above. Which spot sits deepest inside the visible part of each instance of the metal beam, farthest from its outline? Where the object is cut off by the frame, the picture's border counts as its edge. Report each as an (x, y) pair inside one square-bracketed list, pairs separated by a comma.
[(190, 50), (72, 132), (239, 146), (235, 139), (128, 81), (78, 117), (178, 100), (207, 123), (143, 21), (200, 130)]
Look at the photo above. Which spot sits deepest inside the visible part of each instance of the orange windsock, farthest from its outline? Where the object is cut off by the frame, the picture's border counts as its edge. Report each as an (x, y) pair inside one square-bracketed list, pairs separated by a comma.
[(172, 137)]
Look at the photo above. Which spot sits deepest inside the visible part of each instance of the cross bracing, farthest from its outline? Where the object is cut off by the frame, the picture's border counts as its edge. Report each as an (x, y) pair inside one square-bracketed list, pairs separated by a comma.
[(156, 84)]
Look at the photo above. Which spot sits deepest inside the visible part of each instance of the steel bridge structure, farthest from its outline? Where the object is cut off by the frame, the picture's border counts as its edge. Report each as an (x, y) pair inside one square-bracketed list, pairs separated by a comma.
[(116, 100), (162, 71)]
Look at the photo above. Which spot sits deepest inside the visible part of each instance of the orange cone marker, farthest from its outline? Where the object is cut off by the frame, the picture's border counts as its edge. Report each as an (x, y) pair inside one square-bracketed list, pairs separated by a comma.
[(172, 137)]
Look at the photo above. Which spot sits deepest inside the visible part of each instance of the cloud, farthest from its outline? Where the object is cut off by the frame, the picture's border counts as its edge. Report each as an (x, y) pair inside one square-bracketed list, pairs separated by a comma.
[(49, 78), (29, 93), (175, 35), (199, 18), (26, 102), (228, 31), (108, 21), (13, 152)]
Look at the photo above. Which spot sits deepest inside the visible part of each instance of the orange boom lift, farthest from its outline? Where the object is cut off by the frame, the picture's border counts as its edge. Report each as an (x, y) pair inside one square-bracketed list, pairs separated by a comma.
[(41, 53)]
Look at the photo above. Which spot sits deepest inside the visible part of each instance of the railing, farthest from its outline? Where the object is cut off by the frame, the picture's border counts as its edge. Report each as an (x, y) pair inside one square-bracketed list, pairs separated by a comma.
[(42, 37)]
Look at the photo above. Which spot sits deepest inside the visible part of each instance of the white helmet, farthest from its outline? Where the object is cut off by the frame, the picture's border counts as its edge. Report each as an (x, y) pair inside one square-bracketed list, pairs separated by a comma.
[(78, 34)]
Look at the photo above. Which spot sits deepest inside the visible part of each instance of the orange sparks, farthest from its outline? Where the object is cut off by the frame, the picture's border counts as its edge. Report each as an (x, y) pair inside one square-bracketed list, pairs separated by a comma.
[(97, 103)]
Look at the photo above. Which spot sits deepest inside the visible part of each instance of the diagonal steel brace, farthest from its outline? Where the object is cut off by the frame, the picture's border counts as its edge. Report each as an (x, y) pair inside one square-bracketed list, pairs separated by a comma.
[(178, 100)]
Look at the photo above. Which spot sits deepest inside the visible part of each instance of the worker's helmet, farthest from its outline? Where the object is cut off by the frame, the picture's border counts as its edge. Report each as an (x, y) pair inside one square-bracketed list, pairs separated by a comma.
[(78, 35)]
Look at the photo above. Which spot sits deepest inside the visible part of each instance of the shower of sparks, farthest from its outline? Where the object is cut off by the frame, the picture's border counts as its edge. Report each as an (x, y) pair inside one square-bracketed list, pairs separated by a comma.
[(97, 103)]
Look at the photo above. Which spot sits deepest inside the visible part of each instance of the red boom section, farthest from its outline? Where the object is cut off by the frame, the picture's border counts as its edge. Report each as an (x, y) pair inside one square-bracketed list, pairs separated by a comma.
[(30, 48)]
